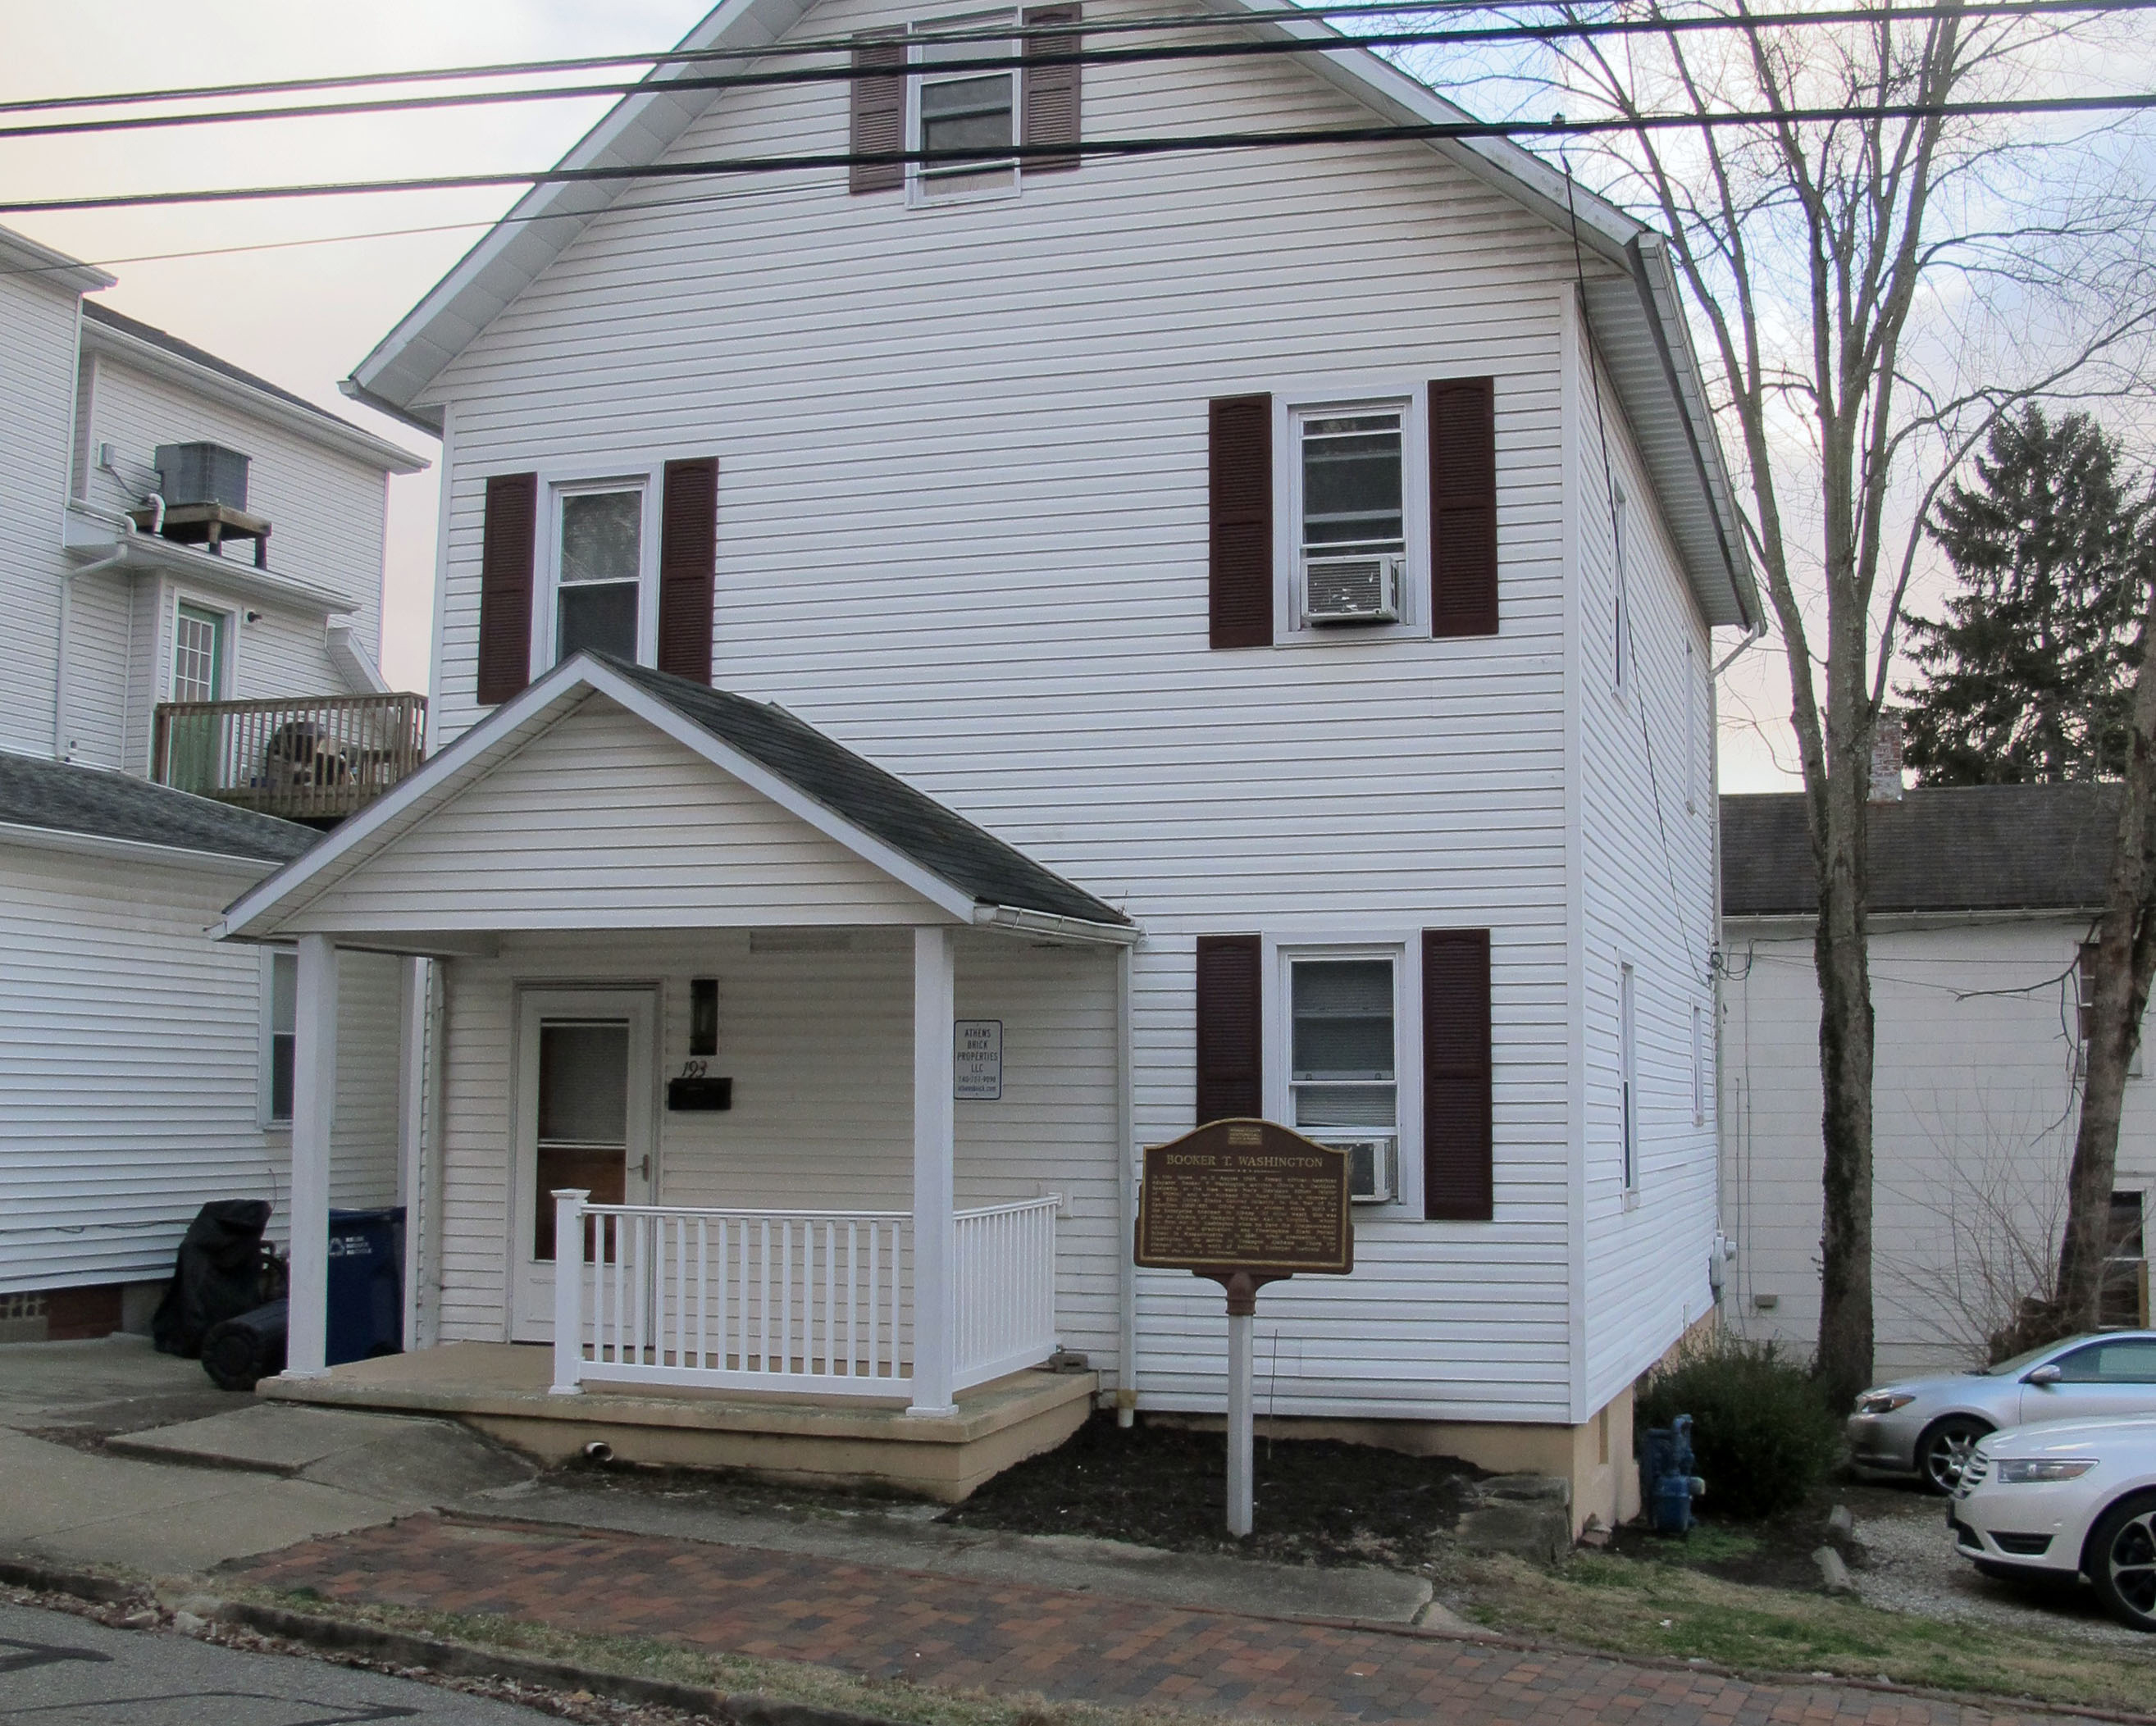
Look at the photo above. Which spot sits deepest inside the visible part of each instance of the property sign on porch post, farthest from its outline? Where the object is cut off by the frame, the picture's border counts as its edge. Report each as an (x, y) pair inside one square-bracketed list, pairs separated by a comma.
[(1244, 1203)]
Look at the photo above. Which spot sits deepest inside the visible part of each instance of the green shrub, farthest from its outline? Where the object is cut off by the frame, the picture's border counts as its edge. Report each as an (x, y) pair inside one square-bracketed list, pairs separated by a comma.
[(1763, 1435)]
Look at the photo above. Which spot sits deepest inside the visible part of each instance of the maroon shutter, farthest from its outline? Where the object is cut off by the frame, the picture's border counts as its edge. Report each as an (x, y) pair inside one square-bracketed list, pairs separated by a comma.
[(1050, 98), (879, 124), (504, 585), (688, 552), (1239, 464), (1463, 506), (1230, 1038), (1457, 1107)]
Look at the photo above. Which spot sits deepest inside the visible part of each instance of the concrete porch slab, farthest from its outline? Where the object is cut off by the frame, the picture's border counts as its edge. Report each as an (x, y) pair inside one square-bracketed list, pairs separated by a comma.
[(501, 1390)]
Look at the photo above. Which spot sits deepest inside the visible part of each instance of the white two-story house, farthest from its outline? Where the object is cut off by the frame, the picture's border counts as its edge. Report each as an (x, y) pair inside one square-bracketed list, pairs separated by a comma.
[(947, 673), (191, 562)]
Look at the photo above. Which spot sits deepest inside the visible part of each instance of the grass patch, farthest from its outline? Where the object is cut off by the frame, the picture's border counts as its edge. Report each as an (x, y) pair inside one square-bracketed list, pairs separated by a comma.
[(896, 1700), (1652, 1606)]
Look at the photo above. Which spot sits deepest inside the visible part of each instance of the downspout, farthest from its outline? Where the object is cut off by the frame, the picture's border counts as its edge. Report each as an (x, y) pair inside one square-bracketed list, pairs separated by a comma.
[(1127, 1190), (1723, 1249)]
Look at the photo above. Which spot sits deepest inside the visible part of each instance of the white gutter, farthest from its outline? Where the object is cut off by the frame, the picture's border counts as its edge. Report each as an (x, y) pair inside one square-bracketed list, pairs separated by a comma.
[(228, 575), (137, 851), (358, 670), (1049, 923)]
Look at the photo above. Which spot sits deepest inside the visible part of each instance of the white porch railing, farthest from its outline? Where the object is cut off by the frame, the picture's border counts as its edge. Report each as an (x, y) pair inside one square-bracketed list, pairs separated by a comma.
[(801, 1301), (1006, 1304)]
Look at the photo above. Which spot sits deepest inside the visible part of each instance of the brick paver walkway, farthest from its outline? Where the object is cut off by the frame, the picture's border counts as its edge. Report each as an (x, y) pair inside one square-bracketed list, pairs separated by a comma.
[(944, 1630)]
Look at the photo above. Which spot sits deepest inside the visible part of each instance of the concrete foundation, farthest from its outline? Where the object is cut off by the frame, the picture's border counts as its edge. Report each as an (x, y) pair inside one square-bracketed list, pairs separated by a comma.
[(500, 1390)]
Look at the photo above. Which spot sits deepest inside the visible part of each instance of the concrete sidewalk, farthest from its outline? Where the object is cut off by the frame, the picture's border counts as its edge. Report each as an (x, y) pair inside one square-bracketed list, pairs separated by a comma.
[(884, 1622), (112, 1453)]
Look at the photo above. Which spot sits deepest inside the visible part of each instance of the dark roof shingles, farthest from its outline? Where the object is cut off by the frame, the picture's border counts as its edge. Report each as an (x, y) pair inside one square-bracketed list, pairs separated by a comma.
[(1987, 847), (941, 841), (61, 797)]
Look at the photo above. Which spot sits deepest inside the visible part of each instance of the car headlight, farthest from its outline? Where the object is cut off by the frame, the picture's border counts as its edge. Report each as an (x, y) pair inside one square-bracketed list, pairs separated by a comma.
[(1883, 1402), (2030, 1471)]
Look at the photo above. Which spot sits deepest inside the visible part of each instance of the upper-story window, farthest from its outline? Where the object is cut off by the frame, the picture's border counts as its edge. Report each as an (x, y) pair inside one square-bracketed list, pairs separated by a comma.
[(599, 573), (1352, 519), (962, 109)]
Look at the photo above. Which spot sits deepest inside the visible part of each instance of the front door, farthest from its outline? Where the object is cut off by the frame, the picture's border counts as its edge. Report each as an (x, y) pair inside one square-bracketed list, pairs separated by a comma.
[(587, 1082)]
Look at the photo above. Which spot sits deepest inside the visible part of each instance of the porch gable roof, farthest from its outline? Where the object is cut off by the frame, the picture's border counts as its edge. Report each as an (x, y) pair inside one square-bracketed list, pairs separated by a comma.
[(956, 866)]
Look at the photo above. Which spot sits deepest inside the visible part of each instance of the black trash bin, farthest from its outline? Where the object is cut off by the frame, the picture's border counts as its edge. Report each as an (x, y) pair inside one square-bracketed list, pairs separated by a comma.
[(238, 1353), (367, 1284)]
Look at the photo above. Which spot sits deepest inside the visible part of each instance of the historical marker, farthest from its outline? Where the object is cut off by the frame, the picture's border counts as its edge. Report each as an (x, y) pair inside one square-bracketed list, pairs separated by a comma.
[(1244, 1202)]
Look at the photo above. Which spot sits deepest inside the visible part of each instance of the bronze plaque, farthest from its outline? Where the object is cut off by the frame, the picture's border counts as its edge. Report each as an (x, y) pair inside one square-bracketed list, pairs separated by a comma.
[(1245, 1195)]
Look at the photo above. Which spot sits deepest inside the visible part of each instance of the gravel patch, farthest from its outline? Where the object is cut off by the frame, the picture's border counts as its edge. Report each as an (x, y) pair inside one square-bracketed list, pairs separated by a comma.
[(1910, 1565)]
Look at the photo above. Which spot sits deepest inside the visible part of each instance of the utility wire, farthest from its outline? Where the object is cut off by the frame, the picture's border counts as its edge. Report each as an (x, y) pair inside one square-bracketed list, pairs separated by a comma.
[(981, 32), (1032, 59), (2129, 102)]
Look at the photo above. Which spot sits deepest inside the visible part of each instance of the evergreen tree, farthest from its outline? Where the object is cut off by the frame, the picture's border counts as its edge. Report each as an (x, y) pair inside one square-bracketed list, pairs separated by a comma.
[(2029, 677)]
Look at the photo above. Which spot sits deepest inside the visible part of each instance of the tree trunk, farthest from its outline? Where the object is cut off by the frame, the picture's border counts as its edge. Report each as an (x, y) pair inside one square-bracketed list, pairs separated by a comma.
[(2125, 959), (1842, 958)]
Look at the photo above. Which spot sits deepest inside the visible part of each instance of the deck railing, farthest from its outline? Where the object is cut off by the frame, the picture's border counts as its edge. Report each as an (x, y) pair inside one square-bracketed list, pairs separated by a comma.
[(801, 1301), (305, 757)]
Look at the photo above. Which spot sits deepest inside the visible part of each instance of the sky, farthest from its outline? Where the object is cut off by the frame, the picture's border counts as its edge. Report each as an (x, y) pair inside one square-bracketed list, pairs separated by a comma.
[(300, 290)]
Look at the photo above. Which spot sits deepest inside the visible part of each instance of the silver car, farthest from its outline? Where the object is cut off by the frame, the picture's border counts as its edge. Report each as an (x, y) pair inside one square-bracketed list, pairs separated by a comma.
[(1929, 1427)]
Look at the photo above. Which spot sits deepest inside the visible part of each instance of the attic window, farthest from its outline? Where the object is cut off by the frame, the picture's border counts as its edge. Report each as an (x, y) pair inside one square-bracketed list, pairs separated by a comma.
[(965, 110), (601, 570)]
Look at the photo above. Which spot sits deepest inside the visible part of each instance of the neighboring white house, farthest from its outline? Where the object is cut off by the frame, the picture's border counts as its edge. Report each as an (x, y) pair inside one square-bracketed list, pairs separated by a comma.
[(143, 1068), (1981, 900), (1249, 542)]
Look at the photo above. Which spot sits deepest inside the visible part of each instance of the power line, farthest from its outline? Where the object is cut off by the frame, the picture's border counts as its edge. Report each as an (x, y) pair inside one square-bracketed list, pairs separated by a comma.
[(1194, 143), (1030, 59)]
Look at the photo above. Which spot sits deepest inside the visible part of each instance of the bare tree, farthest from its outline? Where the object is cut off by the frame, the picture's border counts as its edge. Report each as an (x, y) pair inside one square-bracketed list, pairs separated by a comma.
[(1874, 292), (2125, 964)]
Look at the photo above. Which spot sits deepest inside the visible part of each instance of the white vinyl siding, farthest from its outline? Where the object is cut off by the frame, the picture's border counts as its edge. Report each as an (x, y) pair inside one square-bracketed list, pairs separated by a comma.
[(130, 1057), (544, 840), (1648, 904), (38, 383), (1974, 1110), (328, 511)]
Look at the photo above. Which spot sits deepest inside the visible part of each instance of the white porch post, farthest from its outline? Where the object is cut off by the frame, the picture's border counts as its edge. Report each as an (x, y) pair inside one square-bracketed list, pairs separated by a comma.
[(314, 1113), (935, 1196), (569, 1290)]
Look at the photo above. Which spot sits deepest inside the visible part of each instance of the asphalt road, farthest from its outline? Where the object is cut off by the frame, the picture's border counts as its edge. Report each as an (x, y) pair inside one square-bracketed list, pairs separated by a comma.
[(58, 1670)]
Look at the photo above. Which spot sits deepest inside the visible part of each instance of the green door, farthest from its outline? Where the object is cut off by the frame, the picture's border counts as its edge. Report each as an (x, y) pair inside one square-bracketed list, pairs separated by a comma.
[(198, 675)]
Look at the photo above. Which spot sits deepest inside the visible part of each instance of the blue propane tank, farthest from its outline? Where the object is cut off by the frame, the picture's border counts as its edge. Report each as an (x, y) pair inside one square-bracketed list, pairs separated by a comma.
[(1666, 1481)]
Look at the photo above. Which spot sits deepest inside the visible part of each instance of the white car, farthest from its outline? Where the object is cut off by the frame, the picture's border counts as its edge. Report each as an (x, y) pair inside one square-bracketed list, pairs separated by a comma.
[(2063, 1498)]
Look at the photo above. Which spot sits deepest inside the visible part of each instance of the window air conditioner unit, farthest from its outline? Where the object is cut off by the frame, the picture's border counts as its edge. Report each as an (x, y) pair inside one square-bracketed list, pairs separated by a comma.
[(1353, 590), (1372, 1169)]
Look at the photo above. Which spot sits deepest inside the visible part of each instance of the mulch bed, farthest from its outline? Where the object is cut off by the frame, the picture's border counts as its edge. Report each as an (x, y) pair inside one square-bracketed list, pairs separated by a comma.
[(1318, 1500)]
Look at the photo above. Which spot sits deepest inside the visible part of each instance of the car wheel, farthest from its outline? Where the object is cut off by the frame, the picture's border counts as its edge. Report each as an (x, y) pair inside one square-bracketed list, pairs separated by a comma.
[(1944, 1451), (2122, 1561)]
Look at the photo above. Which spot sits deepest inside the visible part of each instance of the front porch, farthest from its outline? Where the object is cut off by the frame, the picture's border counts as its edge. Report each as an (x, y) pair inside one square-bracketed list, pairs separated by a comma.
[(504, 1389), (684, 1105)]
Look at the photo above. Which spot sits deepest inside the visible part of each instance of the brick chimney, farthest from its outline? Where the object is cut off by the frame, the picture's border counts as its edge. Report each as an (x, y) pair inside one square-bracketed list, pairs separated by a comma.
[(1886, 759)]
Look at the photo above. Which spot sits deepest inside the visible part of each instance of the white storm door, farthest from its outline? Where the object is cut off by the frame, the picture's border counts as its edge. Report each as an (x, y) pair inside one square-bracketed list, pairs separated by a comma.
[(586, 1114)]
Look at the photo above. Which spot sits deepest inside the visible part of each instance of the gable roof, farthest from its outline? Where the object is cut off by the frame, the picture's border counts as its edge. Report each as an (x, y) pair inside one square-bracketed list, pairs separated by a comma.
[(1636, 316), (104, 327), (56, 270), (1984, 847), (98, 803), (961, 868)]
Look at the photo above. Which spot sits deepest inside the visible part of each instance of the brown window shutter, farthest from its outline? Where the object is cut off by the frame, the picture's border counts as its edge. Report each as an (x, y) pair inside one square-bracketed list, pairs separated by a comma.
[(879, 124), (1456, 1108), (1049, 101), (1239, 467), (1463, 506), (1230, 1035), (504, 585), (688, 553)]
